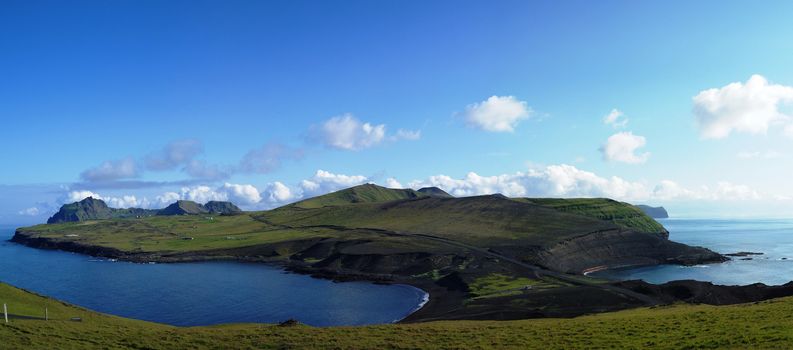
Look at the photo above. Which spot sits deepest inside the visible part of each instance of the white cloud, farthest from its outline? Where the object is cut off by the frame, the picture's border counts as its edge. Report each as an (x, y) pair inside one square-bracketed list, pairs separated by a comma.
[(166, 199), (566, 181), (749, 108), (554, 181), (324, 181), (393, 183), (348, 133), (241, 194), (124, 201), (76, 196), (622, 147), (32, 211), (112, 170), (728, 191), (278, 193), (616, 119), (670, 190), (497, 114)]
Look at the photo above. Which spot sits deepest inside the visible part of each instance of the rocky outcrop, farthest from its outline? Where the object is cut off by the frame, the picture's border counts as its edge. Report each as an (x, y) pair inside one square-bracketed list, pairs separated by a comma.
[(620, 248), (697, 292), (183, 208), (224, 208), (86, 209), (94, 209), (654, 212)]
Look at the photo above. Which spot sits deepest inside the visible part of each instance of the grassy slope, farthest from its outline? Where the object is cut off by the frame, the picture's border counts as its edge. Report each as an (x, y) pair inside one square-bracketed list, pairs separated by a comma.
[(759, 325), (170, 233), (482, 220), (622, 214), (359, 194)]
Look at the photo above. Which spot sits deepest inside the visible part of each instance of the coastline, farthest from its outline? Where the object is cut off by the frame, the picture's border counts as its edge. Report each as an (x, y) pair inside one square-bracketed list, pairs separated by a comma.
[(288, 266)]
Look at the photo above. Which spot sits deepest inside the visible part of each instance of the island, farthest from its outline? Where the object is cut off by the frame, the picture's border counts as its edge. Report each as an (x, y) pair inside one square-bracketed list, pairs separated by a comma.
[(654, 212), (480, 257)]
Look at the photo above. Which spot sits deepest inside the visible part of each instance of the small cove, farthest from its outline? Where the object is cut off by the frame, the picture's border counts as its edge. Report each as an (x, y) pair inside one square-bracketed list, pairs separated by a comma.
[(201, 293)]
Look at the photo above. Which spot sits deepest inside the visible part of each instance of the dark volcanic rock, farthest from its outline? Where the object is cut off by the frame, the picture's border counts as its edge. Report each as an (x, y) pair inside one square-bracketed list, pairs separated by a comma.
[(620, 248), (183, 208), (743, 254), (225, 208), (654, 212), (86, 209), (698, 292), (435, 192)]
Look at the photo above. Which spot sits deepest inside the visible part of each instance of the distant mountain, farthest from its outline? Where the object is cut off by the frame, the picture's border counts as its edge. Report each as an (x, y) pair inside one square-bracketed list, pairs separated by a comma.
[(183, 208), (654, 212), (193, 208), (218, 207), (96, 209), (435, 192), (86, 209), (368, 193)]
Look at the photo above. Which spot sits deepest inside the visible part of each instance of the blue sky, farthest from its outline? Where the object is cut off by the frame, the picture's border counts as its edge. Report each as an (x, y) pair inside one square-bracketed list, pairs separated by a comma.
[(250, 100)]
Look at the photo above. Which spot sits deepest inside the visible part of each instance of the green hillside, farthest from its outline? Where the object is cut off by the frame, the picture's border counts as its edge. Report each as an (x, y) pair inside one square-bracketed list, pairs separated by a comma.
[(367, 193), (622, 214), (481, 220), (763, 325)]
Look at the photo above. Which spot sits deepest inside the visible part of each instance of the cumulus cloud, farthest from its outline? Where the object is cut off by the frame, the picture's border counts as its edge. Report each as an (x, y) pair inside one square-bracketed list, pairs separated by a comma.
[(348, 133), (554, 181), (32, 211), (243, 194), (497, 114), (124, 201), (112, 170), (278, 193), (749, 107), (393, 183), (616, 119), (324, 181), (622, 147), (566, 181), (268, 158)]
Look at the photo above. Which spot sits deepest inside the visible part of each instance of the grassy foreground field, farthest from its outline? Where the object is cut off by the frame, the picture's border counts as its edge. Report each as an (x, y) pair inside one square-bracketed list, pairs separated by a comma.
[(758, 325)]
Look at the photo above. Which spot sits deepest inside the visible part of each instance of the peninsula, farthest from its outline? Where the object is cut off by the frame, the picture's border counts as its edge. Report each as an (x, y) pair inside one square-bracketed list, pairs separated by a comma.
[(482, 257)]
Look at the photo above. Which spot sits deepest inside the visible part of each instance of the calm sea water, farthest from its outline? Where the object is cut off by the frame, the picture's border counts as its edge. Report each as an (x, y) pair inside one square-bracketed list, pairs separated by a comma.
[(773, 238), (190, 294)]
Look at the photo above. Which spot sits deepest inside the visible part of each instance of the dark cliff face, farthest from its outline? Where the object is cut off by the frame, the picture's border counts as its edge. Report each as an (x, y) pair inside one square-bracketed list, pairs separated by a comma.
[(621, 248), (86, 209), (654, 212)]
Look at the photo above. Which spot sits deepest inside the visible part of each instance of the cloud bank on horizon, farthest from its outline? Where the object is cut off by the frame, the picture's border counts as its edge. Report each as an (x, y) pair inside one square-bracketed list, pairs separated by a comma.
[(752, 108)]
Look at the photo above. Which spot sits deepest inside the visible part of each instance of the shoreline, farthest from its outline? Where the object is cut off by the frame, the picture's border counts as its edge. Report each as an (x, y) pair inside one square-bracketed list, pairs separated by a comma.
[(284, 266)]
